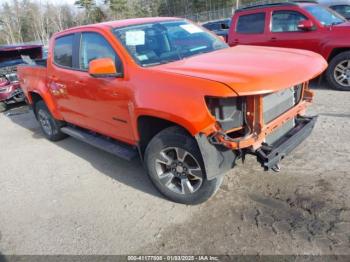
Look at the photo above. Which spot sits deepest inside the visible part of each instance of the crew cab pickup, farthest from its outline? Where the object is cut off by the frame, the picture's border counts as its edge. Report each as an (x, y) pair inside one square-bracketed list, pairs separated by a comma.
[(302, 25), (172, 93), (10, 58)]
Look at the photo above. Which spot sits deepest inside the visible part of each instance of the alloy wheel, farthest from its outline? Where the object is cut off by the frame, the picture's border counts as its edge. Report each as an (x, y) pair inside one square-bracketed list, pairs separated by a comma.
[(179, 171), (342, 73), (44, 120)]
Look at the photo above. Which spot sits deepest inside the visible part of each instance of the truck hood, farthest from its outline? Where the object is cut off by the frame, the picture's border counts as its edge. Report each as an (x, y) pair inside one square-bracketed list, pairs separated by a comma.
[(249, 70)]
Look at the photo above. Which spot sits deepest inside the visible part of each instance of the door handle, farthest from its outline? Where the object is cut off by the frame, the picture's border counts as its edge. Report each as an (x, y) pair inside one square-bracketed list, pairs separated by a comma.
[(236, 41), (273, 39)]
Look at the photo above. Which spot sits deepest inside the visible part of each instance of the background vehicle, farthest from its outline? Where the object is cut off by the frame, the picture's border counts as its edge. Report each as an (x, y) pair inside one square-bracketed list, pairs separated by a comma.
[(165, 89), (341, 7), (305, 25), (219, 27), (10, 58)]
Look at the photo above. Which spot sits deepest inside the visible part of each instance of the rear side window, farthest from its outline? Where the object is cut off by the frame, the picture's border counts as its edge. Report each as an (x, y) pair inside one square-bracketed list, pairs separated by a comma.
[(286, 21), (94, 46), (251, 24), (63, 51)]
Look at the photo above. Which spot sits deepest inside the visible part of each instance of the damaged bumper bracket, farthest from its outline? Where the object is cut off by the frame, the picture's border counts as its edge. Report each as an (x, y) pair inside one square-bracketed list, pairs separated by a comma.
[(270, 155)]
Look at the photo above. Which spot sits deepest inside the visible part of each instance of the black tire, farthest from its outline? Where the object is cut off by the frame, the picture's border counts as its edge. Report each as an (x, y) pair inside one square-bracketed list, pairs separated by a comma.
[(331, 71), (49, 125), (177, 138), (3, 107)]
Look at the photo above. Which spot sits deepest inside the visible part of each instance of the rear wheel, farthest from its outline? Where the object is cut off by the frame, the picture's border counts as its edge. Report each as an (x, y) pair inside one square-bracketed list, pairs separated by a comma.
[(49, 125), (3, 106), (175, 166), (338, 73)]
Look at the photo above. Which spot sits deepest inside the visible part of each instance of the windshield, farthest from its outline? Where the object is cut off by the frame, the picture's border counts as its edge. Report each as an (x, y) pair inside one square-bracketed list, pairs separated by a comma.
[(344, 10), (324, 15), (164, 42)]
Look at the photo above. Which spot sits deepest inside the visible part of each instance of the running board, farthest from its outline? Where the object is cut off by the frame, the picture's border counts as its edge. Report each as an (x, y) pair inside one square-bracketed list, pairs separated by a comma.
[(118, 149)]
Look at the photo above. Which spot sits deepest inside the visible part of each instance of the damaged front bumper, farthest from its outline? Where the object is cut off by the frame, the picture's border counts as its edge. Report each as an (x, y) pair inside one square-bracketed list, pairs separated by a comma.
[(270, 155), (269, 140)]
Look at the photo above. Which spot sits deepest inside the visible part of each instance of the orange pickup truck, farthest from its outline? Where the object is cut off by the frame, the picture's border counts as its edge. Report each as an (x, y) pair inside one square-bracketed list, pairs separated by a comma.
[(170, 92)]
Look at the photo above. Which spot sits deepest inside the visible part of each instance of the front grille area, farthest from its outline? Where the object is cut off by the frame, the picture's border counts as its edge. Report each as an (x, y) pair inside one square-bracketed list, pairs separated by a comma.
[(277, 104)]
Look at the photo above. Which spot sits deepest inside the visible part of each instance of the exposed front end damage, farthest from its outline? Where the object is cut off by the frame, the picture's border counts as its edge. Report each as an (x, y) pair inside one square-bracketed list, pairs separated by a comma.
[(10, 57), (268, 126), (10, 91)]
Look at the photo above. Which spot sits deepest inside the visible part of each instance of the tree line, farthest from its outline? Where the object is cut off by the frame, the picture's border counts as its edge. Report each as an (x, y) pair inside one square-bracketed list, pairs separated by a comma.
[(34, 20)]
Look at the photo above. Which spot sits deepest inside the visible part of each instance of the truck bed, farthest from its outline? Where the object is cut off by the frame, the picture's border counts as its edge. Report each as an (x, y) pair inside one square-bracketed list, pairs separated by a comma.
[(33, 76)]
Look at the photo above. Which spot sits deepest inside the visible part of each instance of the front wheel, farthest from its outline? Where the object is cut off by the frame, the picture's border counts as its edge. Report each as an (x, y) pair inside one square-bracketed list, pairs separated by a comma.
[(338, 72), (175, 166)]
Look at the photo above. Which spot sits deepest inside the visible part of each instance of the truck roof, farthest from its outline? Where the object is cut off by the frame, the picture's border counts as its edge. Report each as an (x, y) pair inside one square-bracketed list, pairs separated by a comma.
[(122, 23), (266, 4)]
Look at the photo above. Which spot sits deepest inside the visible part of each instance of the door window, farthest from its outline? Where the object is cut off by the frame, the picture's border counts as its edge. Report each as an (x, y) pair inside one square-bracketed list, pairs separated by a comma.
[(63, 51), (251, 24), (286, 21), (344, 10), (94, 46)]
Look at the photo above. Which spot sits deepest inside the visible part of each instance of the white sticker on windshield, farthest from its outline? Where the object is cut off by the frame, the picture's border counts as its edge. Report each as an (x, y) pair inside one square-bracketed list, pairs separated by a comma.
[(134, 38), (192, 29), (142, 57)]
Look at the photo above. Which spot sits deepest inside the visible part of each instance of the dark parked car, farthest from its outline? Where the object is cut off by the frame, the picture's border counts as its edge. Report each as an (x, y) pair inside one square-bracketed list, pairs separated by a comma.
[(10, 58), (341, 7), (219, 27)]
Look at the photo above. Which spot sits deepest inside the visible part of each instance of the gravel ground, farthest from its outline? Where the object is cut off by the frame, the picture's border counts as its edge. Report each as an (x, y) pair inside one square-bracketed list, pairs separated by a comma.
[(70, 198)]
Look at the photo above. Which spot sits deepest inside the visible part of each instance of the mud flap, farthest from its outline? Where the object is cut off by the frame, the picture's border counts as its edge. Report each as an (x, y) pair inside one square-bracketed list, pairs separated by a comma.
[(218, 160)]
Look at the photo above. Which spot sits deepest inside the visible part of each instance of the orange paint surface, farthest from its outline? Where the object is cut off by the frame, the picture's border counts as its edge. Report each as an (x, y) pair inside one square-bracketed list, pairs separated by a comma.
[(174, 92)]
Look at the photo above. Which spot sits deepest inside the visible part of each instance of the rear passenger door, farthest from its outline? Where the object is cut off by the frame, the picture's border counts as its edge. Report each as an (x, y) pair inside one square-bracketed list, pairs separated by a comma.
[(61, 74), (284, 31), (249, 29)]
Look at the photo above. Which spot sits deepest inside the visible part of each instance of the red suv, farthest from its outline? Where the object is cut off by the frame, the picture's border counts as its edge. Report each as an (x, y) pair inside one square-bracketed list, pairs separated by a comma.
[(301, 25)]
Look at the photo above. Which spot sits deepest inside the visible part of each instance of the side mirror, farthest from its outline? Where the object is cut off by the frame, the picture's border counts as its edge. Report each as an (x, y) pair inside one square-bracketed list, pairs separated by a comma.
[(103, 67), (306, 25)]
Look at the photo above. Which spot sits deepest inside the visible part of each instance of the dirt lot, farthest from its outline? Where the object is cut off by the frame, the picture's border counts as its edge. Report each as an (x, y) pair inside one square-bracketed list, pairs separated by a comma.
[(70, 198)]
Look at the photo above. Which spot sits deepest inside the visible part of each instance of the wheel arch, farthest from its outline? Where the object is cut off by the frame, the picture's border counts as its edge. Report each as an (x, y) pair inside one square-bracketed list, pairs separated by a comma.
[(217, 159), (34, 97), (148, 126), (337, 51)]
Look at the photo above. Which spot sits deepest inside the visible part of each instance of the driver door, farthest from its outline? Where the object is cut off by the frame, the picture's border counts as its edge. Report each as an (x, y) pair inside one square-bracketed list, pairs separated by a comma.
[(284, 31), (103, 101)]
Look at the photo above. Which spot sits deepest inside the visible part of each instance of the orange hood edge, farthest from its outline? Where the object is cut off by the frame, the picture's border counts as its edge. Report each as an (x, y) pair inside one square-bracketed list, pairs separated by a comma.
[(252, 70)]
